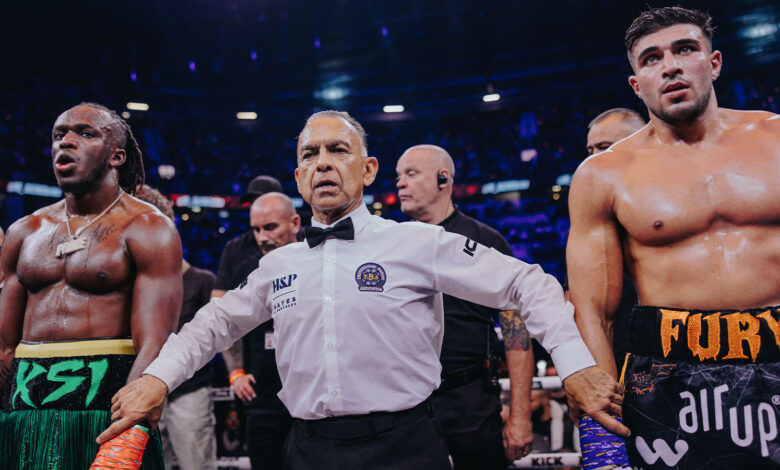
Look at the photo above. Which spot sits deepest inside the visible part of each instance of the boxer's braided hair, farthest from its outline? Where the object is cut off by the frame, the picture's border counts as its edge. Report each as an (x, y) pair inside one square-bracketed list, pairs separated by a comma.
[(131, 172)]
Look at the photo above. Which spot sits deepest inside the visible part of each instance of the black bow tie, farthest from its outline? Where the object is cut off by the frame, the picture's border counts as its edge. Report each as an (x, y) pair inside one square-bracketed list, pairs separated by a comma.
[(343, 230)]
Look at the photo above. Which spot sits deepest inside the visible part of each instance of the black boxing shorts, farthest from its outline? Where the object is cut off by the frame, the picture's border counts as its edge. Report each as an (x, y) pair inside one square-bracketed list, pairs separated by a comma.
[(703, 389)]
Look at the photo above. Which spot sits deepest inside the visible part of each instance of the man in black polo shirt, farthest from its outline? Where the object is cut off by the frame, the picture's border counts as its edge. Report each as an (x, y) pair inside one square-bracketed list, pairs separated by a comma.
[(241, 254), (467, 404), (252, 362), (239, 258)]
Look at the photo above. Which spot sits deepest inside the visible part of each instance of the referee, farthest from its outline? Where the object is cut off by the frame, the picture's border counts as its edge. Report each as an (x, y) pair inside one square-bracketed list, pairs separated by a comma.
[(467, 404), (358, 321)]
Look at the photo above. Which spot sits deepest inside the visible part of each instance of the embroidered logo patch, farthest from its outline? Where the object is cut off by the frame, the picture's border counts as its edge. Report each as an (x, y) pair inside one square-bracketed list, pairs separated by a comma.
[(370, 277)]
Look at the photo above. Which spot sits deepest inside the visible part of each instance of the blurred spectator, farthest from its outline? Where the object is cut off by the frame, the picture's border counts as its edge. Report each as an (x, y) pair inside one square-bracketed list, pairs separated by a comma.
[(230, 438), (541, 420), (553, 428), (564, 435)]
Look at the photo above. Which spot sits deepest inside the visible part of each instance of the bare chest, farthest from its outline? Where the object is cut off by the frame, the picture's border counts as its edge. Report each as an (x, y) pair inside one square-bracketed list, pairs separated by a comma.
[(96, 262), (664, 198)]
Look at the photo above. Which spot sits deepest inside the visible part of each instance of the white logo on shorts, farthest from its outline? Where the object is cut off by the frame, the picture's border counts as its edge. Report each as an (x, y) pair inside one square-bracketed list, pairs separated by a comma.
[(661, 450)]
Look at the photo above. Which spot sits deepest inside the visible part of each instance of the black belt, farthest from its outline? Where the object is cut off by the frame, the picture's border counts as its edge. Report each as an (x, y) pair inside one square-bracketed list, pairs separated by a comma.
[(356, 426), (461, 378)]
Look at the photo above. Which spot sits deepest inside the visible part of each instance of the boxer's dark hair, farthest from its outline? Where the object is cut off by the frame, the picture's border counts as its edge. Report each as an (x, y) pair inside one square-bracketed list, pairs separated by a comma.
[(654, 19), (131, 172)]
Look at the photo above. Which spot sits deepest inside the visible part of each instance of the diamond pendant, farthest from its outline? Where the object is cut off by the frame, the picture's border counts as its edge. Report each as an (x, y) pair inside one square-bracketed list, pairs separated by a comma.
[(66, 248)]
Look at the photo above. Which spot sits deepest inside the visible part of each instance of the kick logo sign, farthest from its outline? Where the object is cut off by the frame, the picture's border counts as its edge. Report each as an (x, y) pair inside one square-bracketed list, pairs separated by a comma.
[(370, 277)]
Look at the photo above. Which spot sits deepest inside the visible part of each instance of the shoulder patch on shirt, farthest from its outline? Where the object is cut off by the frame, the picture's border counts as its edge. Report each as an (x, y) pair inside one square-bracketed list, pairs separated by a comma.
[(470, 248), (370, 277)]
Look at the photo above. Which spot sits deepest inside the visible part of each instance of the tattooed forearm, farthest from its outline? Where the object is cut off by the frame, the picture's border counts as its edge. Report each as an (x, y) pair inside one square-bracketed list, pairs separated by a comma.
[(516, 335), (234, 357)]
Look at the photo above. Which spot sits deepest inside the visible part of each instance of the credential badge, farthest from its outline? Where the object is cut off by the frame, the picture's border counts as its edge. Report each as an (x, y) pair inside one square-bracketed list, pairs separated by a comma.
[(370, 277)]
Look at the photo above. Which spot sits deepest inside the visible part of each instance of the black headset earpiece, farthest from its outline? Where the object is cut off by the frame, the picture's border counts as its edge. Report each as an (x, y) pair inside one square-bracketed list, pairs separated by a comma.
[(441, 180)]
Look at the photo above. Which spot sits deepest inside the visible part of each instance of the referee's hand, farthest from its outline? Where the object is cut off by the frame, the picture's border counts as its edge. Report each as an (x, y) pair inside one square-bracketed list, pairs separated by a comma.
[(518, 437), (140, 400), (243, 388), (595, 393)]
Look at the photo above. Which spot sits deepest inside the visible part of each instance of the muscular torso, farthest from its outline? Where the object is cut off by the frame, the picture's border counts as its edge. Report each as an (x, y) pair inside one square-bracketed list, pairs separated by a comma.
[(701, 224), (86, 294)]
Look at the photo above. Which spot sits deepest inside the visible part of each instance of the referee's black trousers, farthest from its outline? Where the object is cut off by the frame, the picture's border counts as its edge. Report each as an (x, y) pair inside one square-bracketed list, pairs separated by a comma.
[(470, 417), (267, 426), (405, 440)]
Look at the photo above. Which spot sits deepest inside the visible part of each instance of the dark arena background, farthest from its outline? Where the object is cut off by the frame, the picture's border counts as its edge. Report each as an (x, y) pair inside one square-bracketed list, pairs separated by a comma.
[(217, 91)]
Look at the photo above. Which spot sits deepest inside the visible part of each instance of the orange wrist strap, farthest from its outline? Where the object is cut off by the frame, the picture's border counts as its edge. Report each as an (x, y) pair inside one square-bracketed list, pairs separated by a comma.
[(235, 375)]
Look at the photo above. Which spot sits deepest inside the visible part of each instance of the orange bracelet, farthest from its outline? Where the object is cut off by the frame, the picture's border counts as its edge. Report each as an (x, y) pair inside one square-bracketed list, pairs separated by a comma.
[(235, 375)]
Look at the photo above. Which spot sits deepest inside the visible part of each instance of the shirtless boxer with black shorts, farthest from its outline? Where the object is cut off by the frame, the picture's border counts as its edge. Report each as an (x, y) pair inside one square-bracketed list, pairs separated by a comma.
[(690, 207)]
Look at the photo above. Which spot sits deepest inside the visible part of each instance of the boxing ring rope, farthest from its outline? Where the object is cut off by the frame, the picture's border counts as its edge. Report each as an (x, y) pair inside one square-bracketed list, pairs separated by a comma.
[(539, 383), (545, 460)]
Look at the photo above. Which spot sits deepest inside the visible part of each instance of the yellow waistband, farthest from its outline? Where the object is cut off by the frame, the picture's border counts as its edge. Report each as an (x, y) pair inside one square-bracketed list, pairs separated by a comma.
[(89, 347)]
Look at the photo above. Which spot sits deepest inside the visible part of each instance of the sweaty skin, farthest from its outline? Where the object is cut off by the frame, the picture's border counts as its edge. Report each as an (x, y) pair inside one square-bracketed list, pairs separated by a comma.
[(688, 205), (700, 228), (126, 282)]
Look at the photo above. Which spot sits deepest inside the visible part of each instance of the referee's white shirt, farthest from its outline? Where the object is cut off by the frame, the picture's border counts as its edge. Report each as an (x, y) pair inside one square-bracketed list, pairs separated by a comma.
[(358, 324)]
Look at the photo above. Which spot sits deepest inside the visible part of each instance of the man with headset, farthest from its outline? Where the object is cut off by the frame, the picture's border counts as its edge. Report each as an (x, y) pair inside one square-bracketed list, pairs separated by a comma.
[(467, 404)]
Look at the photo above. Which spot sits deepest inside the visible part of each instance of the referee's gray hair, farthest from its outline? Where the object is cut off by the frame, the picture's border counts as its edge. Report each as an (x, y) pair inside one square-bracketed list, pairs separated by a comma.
[(347, 117), (628, 113)]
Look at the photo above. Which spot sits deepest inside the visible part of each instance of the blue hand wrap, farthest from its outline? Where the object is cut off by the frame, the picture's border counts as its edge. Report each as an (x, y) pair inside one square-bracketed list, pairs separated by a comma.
[(600, 448)]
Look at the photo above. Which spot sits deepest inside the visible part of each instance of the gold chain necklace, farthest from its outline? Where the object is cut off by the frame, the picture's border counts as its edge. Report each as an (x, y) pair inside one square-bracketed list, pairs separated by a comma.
[(75, 244)]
